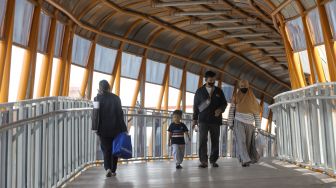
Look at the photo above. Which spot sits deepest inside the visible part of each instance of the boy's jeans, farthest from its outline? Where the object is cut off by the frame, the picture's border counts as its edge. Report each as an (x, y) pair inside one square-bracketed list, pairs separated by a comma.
[(178, 152)]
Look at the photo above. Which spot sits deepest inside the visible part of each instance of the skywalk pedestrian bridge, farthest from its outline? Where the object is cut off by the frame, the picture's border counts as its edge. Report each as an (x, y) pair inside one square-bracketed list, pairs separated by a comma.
[(48, 142), (154, 54)]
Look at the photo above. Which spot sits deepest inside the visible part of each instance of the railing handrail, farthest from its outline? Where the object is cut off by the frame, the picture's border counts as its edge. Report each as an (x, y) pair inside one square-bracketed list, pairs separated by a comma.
[(27, 101), (305, 88), (23, 122), (300, 99)]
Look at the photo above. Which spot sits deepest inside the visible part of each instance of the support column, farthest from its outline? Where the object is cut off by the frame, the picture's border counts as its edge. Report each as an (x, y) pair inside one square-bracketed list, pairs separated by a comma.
[(314, 59), (6, 51), (47, 61), (179, 98), (88, 70), (200, 80), (163, 87), (220, 82), (140, 81), (262, 106), (115, 78), (66, 79), (61, 68), (298, 64), (30, 56), (184, 89), (165, 123), (143, 83), (296, 78), (328, 42), (269, 122)]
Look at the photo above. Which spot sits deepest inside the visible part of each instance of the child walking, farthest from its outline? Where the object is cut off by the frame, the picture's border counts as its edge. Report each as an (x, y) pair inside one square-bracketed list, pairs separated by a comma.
[(177, 130)]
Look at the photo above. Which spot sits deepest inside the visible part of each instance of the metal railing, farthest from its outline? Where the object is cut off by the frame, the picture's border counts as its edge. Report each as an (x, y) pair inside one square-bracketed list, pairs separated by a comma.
[(306, 126), (45, 142)]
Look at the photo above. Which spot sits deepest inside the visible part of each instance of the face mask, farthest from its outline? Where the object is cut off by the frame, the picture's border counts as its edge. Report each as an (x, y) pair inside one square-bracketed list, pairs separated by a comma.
[(243, 90), (211, 84)]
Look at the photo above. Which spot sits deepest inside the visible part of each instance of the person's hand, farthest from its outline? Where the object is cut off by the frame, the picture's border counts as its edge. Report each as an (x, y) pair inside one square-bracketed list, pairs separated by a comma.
[(218, 112), (194, 123)]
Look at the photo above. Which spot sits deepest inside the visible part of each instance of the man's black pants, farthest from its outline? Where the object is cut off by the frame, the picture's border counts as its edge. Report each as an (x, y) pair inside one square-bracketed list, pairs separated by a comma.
[(203, 145)]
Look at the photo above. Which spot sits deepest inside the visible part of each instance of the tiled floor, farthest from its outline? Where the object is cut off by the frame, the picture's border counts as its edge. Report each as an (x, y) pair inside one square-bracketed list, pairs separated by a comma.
[(267, 173)]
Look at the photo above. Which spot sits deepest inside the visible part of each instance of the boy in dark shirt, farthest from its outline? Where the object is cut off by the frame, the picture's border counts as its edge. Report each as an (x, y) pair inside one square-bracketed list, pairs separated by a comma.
[(177, 130)]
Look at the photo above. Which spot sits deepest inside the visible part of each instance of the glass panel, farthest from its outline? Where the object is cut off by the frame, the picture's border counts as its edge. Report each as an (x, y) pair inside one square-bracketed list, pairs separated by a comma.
[(304, 61), (265, 110), (39, 61), (192, 82), (15, 72), (189, 102), (22, 21), (76, 77), (314, 26), (227, 90), (59, 39), (152, 95), (296, 35), (323, 56), (43, 35), (330, 8), (130, 65), (173, 94), (127, 87), (80, 50), (3, 4), (97, 77), (175, 77), (154, 71), (104, 59)]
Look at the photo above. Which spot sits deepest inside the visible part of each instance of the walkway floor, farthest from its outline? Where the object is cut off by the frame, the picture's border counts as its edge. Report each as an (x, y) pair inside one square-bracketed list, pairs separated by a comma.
[(267, 173)]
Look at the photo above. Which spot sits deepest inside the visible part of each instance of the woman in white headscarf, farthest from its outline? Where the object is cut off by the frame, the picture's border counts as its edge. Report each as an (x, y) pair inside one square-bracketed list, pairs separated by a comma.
[(244, 116)]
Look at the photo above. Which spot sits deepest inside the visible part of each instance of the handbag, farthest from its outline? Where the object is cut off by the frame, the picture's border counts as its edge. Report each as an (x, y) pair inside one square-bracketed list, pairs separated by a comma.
[(95, 116), (122, 146)]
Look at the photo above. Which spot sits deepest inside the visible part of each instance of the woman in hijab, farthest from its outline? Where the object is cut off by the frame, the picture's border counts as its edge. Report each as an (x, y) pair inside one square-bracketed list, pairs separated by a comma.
[(244, 117)]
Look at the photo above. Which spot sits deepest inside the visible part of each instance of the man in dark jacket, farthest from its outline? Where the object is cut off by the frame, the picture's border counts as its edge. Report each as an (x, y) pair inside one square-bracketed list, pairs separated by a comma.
[(111, 123), (209, 104)]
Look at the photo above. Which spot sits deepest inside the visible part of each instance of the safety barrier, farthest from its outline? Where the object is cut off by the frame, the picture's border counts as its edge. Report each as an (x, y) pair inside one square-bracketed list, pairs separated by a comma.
[(45, 142), (306, 126)]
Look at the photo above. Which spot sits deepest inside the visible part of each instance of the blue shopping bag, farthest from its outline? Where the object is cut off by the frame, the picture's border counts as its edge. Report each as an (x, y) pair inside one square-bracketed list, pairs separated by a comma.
[(122, 146)]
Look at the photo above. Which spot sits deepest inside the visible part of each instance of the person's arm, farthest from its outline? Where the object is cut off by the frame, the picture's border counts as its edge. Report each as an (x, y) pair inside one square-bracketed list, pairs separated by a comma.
[(169, 138), (223, 103), (195, 109), (121, 116), (186, 131), (257, 120)]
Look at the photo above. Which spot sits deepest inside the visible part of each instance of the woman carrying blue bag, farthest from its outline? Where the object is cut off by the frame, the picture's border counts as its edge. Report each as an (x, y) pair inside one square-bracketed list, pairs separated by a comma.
[(111, 124)]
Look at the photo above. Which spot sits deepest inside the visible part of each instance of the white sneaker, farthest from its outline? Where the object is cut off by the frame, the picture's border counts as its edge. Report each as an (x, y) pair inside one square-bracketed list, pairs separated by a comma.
[(114, 174), (108, 173)]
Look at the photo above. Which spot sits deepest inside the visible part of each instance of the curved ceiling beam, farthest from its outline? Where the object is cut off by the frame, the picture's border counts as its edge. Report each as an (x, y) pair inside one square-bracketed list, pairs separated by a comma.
[(259, 10), (125, 40), (152, 37), (222, 32), (242, 12), (166, 26), (86, 9), (130, 29)]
